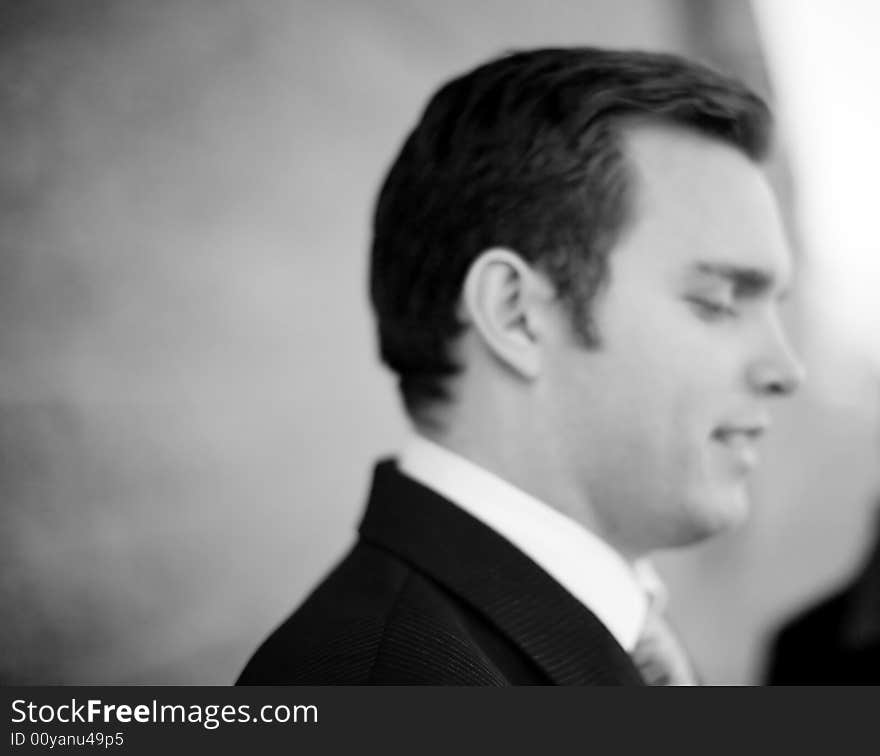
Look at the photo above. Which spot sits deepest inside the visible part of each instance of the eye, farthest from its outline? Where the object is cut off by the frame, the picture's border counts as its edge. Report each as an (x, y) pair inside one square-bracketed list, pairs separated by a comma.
[(710, 309)]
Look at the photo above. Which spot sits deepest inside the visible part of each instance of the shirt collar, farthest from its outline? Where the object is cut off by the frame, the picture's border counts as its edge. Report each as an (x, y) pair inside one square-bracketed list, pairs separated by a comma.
[(617, 592)]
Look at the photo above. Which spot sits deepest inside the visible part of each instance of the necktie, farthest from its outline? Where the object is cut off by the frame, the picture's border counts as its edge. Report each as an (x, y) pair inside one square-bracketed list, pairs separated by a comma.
[(659, 655)]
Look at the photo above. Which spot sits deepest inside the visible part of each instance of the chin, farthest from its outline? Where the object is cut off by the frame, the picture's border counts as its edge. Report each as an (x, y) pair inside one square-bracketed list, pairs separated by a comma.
[(711, 516), (726, 512)]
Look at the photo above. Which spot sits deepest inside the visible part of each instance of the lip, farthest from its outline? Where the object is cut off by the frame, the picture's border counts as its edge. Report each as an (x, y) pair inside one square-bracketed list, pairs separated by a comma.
[(741, 439)]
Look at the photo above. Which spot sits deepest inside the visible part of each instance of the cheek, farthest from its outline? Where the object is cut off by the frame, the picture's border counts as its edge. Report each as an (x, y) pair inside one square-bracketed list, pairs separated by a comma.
[(652, 404), (669, 399), (668, 385), (663, 433), (652, 436)]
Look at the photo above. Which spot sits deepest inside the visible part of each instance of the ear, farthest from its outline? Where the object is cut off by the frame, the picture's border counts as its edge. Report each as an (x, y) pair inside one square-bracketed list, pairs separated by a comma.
[(502, 298)]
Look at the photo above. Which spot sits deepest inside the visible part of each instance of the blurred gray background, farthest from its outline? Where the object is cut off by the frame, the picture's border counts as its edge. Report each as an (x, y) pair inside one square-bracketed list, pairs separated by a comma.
[(190, 401)]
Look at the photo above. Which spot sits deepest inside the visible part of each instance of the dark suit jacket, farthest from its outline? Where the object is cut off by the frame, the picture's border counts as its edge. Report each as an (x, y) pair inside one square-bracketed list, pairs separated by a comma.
[(429, 595)]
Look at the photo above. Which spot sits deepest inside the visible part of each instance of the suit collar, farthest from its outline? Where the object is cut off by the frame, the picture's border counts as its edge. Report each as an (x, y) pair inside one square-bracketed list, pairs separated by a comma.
[(545, 621), (614, 590)]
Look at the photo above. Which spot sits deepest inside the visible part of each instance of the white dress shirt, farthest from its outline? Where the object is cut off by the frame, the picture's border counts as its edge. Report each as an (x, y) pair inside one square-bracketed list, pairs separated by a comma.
[(616, 592)]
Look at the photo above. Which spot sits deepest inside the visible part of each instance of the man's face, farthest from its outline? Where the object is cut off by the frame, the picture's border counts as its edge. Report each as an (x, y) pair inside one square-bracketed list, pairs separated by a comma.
[(661, 423)]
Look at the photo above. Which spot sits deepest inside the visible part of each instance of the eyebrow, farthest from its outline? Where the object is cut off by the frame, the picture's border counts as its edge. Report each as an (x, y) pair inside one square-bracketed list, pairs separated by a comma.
[(746, 281)]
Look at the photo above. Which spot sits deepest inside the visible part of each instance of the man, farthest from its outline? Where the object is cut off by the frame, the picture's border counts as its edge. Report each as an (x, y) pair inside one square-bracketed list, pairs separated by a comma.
[(576, 270), (836, 640)]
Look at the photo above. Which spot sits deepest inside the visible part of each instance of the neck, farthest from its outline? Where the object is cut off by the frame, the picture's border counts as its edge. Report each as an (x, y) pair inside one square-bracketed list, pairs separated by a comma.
[(523, 461)]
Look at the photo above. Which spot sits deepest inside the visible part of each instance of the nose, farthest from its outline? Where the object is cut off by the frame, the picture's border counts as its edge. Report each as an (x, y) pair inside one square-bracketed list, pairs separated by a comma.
[(779, 372)]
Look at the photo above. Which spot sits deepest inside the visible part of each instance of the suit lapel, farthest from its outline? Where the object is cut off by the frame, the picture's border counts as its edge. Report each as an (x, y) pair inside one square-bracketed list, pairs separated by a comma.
[(536, 613)]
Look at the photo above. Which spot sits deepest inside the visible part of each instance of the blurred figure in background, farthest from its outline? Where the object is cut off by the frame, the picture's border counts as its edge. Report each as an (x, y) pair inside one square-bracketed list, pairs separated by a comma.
[(836, 641), (577, 265)]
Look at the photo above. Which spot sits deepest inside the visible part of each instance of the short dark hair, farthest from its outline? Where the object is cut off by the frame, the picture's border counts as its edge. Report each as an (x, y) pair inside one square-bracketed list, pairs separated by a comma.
[(524, 152)]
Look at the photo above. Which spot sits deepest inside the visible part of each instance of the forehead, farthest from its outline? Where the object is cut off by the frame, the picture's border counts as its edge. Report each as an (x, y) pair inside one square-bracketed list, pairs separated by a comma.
[(698, 202)]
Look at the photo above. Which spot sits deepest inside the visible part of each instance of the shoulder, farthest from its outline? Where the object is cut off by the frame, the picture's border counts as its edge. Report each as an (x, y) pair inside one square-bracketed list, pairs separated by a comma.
[(818, 625), (375, 620), (809, 646)]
